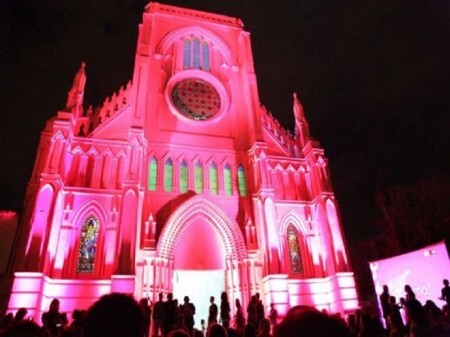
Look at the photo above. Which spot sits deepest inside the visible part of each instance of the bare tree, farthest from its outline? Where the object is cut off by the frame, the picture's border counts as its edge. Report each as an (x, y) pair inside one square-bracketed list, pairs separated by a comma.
[(412, 216)]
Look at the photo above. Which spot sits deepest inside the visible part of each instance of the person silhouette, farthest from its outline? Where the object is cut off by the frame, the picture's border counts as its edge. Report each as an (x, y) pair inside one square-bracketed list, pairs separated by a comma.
[(445, 292), (115, 315)]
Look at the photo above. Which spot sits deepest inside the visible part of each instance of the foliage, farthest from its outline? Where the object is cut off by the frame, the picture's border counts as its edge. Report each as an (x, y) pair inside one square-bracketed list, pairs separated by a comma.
[(410, 217)]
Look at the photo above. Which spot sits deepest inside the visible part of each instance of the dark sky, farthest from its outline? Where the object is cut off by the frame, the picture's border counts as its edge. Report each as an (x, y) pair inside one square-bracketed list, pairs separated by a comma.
[(373, 76)]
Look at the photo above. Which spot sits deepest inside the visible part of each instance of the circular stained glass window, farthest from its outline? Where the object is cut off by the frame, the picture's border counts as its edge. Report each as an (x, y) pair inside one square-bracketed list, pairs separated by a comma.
[(196, 99)]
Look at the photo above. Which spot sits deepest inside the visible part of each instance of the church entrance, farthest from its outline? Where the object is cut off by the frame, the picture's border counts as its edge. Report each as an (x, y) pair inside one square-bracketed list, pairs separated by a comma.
[(201, 253), (199, 267), (199, 286)]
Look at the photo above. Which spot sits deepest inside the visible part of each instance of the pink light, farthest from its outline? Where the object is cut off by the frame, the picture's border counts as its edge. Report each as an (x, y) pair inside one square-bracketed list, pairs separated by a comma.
[(203, 254), (346, 280), (145, 229), (7, 215), (423, 269)]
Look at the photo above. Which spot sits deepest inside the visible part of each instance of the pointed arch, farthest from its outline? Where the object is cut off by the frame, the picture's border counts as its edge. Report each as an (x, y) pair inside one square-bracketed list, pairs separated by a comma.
[(242, 184), (294, 251), (89, 219), (338, 242), (293, 217), (152, 174), (168, 175), (323, 229), (198, 177), (39, 227), (227, 181), (177, 34), (193, 209), (92, 207), (59, 136), (297, 250), (88, 245), (184, 176), (213, 181)]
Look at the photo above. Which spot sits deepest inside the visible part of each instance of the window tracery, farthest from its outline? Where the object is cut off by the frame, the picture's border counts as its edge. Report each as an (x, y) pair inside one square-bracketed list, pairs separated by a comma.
[(88, 245), (198, 178), (227, 180), (213, 179), (152, 174), (196, 54), (295, 256), (168, 175), (183, 177), (241, 181)]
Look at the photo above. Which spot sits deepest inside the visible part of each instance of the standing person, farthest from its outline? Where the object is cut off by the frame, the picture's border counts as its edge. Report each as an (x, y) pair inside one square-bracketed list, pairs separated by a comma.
[(52, 319), (251, 311), (188, 311), (445, 292), (147, 312), (409, 293), (259, 310), (171, 314), (384, 301), (239, 319), (213, 311), (158, 316), (273, 315), (224, 307), (395, 315)]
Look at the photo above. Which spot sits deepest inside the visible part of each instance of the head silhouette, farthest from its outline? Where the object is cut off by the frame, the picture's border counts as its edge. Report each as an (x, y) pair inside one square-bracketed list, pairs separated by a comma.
[(304, 321), (115, 315)]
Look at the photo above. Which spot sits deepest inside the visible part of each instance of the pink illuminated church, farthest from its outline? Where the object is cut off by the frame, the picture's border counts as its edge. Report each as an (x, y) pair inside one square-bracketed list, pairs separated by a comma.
[(181, 182)]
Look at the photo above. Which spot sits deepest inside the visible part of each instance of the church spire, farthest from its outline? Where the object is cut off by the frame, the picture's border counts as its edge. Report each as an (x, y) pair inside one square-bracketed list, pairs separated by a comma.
[(76, 93), (301, 124)]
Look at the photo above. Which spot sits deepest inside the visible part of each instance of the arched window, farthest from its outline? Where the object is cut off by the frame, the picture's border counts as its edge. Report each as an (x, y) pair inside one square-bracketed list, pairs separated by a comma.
[(183, 177), (295, 255), (213, 179), (88, 246), (196, 53), (152, 174), (205, 56), (241, 181), (168, 175), (227, 180), (198, 178), (187, 54)]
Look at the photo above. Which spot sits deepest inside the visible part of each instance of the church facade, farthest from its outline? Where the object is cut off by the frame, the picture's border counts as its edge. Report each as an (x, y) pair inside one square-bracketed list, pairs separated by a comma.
[(181, 182)]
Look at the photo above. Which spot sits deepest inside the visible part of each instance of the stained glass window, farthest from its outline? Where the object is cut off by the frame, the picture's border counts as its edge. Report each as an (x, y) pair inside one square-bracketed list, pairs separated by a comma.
[(187, 54), (196, 53), (213, 178), (295, 255), (88, 246), (152, 174), (198, 178), (183, 177), (241, 181), (227, 180), (205, 56), (168, 175), (196, 99)]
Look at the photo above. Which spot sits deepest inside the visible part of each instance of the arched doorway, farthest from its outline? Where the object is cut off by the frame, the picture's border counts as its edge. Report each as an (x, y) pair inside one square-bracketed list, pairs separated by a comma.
[(199, 267), (203, 253)]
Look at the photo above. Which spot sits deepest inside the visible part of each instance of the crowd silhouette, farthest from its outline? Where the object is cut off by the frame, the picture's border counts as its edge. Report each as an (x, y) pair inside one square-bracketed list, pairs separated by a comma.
[(120, 315)]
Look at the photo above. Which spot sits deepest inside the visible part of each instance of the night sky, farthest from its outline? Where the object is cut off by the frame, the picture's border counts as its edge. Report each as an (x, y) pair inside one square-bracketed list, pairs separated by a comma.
[(373, 77)]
